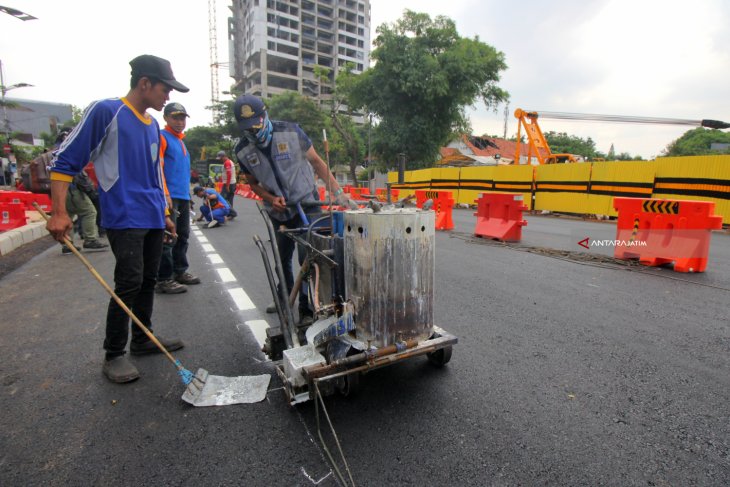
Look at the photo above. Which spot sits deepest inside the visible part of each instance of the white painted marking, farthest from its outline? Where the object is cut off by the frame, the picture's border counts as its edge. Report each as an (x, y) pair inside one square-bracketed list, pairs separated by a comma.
[(226, 274), (243, 302), (208, 248), (215, 259), (203, 239), (258, 328)]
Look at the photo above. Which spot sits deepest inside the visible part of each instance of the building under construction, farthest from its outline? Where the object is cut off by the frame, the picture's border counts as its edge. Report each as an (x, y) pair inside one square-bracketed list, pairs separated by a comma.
[(274, 45)]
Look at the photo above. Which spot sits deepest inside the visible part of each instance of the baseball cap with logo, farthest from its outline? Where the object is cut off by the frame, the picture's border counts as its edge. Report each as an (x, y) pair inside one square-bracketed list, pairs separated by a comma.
[(158, 68), (174, 109), (249, 111)]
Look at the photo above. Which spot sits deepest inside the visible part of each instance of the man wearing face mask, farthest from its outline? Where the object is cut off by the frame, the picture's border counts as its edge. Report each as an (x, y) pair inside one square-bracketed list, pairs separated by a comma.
[(280, 162)]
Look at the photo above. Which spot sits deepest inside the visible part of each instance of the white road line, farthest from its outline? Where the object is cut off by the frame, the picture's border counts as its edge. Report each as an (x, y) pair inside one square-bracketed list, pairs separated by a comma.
[(258, 328), (226, 274), (243, 302)]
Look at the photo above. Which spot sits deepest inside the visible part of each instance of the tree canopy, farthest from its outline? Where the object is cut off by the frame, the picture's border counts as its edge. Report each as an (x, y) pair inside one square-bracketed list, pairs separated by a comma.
[(424, 77), (697, 142)]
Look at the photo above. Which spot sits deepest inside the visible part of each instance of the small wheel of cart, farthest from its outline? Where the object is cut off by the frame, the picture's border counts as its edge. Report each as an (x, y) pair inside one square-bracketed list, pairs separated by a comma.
[(440, 357)]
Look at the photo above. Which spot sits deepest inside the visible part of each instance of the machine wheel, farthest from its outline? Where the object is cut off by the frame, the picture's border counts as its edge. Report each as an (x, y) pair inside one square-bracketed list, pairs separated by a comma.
[(349, 384), (440, 357)]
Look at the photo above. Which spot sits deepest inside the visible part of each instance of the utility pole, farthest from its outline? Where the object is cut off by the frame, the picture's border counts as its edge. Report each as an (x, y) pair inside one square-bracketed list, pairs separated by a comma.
[(506, 116), (213, 40)]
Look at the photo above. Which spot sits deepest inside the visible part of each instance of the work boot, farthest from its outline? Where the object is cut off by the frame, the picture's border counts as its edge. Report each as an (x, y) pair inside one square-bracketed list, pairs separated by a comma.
[(120, 370), (66, 250), (305, 318), (170, 286), (95, 246), (187, 278), (149, 347), (271, 309)]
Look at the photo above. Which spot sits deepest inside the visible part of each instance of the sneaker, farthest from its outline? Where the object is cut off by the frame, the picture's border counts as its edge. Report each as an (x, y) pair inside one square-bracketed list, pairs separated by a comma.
[(170, 286), (213, 224), (65, 250), (149, 347), (120, 370), (271, 309), (187, 278), (95, 245)]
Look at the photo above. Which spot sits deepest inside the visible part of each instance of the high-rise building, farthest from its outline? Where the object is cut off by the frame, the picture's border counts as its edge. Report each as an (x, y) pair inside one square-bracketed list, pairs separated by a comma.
[(275, 45)]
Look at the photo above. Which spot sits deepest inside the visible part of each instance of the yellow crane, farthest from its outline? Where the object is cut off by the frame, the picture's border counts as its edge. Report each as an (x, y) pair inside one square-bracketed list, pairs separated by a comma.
[(539, 148)]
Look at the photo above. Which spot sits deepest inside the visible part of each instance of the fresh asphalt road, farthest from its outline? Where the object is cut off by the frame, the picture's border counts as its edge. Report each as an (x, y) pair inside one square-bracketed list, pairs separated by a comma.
[(567, 372)]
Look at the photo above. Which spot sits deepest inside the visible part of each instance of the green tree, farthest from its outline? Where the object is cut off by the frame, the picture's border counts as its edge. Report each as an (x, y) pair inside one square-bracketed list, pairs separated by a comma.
[(697, 142), (424, 77), (562, 143)]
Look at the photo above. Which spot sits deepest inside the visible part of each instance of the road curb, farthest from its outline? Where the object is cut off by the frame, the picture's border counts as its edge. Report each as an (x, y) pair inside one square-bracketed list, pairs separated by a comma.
[(13, 239)]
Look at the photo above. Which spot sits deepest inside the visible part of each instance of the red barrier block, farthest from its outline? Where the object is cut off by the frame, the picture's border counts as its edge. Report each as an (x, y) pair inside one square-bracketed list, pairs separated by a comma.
[(443, 204), (357, 193), (14, 196), (658, 232), (12, 215), (499, 216), (26, 198)]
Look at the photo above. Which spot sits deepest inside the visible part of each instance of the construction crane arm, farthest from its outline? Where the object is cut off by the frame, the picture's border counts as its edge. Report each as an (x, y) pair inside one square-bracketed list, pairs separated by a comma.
[(527, 119)]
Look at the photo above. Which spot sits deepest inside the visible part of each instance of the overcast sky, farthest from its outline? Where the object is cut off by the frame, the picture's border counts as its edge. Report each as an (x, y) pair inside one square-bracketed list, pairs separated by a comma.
[(654, 58)]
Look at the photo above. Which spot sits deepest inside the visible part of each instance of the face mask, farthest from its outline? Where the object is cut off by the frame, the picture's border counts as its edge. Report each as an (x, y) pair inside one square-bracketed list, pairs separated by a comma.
[(262, 138)]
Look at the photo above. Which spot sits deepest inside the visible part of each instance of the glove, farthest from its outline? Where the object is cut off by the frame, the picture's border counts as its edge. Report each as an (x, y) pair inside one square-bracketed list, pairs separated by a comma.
[(344, 200)]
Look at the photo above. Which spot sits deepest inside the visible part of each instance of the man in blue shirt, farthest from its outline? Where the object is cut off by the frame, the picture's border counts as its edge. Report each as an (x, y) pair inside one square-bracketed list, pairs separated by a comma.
[(173, 274), (123, 140), (215, 208)]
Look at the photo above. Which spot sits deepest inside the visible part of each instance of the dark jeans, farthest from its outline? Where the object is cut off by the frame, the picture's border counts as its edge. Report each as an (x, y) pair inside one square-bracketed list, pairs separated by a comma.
[(137, 252), (286, 253), (228, 191), (175, 257)]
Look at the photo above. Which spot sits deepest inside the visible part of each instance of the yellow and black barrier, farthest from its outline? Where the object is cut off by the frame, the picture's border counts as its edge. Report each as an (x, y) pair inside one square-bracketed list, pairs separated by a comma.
[(584, 188)]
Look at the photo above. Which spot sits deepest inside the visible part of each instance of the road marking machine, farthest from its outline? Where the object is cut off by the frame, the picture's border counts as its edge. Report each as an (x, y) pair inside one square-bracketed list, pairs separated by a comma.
[(370, 280)]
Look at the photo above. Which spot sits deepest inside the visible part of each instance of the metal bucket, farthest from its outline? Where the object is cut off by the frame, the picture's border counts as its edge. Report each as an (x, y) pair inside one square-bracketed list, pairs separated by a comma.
[(389, 273)]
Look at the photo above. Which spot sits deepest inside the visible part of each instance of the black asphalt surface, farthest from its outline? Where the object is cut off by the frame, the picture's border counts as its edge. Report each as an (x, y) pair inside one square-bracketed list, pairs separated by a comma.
[(569, 371)]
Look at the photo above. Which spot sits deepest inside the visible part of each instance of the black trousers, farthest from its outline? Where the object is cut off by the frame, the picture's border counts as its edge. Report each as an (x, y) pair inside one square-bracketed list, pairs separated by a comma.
[(137, 253), (228, 191), (175, 257)]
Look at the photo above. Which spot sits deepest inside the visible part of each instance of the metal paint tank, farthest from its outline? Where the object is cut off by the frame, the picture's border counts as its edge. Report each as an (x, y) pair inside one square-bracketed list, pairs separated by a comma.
[(389, 273)]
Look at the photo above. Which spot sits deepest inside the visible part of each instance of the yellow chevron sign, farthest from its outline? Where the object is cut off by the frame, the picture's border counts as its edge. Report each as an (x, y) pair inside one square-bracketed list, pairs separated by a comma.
[(661, 206)]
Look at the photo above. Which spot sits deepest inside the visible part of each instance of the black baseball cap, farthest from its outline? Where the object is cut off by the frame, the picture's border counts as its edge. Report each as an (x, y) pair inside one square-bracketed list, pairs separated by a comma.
[(174, 109), (249, 111), (158, 68)]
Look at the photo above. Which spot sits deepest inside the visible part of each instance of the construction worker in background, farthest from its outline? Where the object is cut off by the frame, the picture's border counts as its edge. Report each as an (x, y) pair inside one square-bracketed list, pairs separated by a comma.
[(80, 205), (215, 209), (123, 140), (280, 162), (173, 276), (228, 189)]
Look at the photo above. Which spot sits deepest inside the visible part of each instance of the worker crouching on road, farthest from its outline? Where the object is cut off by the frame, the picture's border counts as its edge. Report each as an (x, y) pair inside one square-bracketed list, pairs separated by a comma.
[(214, 209)]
